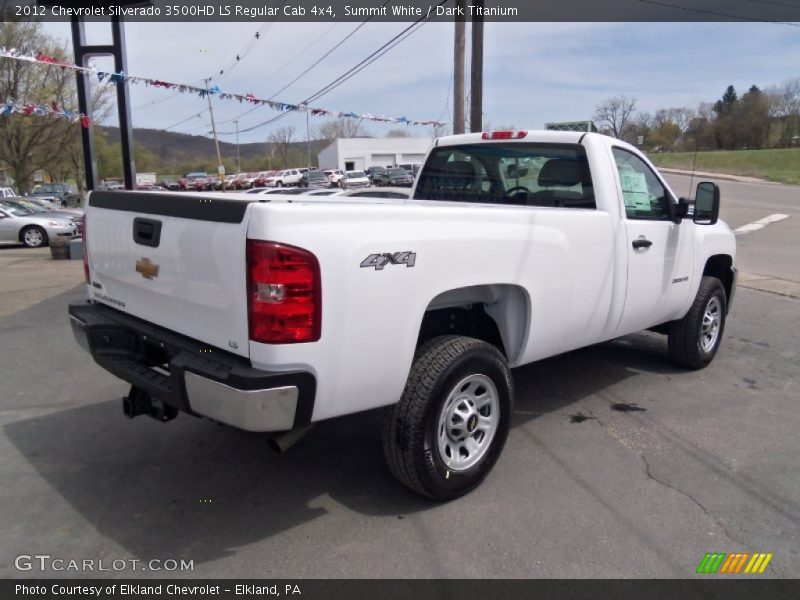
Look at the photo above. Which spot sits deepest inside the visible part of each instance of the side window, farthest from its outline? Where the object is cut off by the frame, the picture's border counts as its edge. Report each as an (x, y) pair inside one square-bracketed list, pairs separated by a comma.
[(644, 195)]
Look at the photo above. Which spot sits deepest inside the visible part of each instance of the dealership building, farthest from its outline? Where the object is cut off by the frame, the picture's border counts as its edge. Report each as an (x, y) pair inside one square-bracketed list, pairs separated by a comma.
[(357, 154)]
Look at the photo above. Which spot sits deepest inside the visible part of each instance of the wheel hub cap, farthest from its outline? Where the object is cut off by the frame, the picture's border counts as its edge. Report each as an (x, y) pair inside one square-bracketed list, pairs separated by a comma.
[(712, 319), (468, 422)]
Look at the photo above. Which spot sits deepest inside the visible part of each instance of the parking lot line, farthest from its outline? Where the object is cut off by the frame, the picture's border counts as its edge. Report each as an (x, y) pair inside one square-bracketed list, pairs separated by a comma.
[(761, 223)]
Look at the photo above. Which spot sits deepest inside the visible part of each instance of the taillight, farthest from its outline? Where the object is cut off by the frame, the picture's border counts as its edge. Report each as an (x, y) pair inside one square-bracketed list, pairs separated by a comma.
[(503, 135), (284, 296), (85, 249)]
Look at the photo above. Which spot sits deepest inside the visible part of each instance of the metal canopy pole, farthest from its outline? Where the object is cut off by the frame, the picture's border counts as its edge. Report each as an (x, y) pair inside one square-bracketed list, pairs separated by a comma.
[(83, 52)]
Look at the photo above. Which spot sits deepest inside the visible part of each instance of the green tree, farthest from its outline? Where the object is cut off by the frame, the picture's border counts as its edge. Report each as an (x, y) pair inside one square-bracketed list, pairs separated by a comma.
[(752, 118), (28, 144), (726, 132)]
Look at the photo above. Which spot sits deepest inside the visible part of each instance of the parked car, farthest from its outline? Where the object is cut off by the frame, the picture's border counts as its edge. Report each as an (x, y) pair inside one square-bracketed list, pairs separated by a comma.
[(314, 179), (191, 181), (285, 191), (60, 193), (71, 210), (283, 178), (73, 215), (412, 168), (21, 225), (375, 192), (375, 175), (334, 176), (229, 179), (397, 177), (7, 192), (169, 184), (355, 179), (261, 178)]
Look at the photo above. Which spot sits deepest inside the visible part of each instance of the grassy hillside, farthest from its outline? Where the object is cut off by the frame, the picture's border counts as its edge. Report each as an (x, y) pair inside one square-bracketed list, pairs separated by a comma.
[(179, 149), (776, 165)]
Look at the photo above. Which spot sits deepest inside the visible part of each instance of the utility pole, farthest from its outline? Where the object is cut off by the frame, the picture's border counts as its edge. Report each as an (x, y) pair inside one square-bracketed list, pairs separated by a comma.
[(238, 161), (476, 81), (459, 50), (220, 167), (308, 139)]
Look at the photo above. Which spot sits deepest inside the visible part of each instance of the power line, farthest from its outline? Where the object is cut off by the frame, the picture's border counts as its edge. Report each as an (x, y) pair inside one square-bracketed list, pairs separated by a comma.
[(222, 72), (328, 53), (186, 119), (248, 48), (371, 58), (298, 54), (295, 57), (717, 13)]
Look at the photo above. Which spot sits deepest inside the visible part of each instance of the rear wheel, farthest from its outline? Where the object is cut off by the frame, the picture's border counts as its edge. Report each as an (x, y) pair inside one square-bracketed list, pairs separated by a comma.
[(34, 237), (695, 339), (450, 426)]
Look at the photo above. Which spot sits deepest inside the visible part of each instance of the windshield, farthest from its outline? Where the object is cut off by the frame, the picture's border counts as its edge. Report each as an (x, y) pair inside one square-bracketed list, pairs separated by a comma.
[(355, 174), (528, 174), (398, 172), (15, 209), (32, 206)]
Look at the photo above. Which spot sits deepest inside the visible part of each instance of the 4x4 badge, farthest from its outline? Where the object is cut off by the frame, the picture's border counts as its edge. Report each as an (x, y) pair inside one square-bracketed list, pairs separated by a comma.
[(378, 261)]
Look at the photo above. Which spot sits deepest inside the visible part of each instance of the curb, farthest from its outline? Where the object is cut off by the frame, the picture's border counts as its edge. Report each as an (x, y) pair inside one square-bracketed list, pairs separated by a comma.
[(724, 176)]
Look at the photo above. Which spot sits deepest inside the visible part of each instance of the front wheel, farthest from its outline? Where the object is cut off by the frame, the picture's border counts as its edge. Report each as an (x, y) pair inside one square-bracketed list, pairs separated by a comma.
[(695, 339), (450, 426), (34, 237)]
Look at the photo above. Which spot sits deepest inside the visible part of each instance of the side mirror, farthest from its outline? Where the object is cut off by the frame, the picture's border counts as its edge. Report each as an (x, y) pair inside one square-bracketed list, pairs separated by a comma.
[(678, 212), (706, 203)]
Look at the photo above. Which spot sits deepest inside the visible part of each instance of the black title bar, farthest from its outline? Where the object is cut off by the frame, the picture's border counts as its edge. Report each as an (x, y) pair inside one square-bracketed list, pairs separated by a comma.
[(786, 12)]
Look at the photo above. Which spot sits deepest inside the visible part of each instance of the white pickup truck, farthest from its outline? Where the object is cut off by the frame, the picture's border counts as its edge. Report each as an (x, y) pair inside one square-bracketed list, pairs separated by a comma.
[(272, 314)]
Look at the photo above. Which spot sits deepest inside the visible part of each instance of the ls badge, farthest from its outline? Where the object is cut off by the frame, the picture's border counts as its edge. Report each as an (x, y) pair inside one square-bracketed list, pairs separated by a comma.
[(148, 269)]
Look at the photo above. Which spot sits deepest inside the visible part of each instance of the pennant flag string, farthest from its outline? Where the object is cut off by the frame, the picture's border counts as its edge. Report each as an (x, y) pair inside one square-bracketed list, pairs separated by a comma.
[(14, 107), (202, 92)]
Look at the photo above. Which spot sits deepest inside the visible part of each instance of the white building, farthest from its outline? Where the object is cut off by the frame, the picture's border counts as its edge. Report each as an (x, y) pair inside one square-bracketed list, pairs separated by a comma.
[(357, 154)]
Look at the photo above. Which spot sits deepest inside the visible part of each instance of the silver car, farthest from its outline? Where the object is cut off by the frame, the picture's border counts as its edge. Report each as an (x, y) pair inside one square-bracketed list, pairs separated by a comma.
[(20, 225), (42, 210)]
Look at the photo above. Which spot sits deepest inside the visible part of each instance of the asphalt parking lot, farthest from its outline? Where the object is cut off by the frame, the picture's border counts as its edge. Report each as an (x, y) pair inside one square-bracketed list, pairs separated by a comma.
[(617, 465)]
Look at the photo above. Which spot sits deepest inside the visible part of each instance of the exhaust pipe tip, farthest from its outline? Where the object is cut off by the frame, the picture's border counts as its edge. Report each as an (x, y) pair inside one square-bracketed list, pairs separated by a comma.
[(281, 442)]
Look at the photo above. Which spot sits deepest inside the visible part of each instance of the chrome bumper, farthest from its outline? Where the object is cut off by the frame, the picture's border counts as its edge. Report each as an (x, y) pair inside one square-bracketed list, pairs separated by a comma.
[(221, 387)]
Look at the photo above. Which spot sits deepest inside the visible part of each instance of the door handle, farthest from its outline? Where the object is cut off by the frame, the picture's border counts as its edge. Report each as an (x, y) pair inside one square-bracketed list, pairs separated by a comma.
[(642, 243)]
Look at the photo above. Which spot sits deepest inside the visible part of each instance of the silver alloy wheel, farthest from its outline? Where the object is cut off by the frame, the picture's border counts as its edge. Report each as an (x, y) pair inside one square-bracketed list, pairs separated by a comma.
[(468, 422), (33, 238), (709, 330)]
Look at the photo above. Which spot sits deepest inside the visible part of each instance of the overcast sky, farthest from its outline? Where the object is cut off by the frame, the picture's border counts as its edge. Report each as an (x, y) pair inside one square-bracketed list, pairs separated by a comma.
[(534, 72)]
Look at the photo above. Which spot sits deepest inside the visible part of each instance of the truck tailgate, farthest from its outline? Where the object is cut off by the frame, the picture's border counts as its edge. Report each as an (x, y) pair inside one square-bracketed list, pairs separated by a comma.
[(173, 259)]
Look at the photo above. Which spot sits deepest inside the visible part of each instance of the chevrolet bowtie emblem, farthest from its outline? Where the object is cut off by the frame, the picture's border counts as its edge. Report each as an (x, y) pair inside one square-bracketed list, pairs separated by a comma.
[(146, 268)]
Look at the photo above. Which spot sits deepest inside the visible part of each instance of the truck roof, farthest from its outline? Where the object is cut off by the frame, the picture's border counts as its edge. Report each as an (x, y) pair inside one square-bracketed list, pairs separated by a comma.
[(536, 135)]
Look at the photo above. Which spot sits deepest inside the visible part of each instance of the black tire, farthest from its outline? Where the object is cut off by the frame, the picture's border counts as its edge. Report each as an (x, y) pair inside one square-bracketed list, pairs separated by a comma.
[(411, 427), (686, 336), (27, 236)]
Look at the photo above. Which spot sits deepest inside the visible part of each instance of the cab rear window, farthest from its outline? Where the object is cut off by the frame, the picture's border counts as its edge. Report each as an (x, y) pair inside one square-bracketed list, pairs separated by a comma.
[(524, 174)]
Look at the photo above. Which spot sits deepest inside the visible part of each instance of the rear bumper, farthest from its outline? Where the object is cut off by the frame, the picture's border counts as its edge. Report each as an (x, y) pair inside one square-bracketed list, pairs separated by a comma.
[(189, 376)]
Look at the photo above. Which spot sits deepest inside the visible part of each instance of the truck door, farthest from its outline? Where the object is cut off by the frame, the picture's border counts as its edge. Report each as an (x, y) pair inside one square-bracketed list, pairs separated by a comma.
[(660, 252)]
